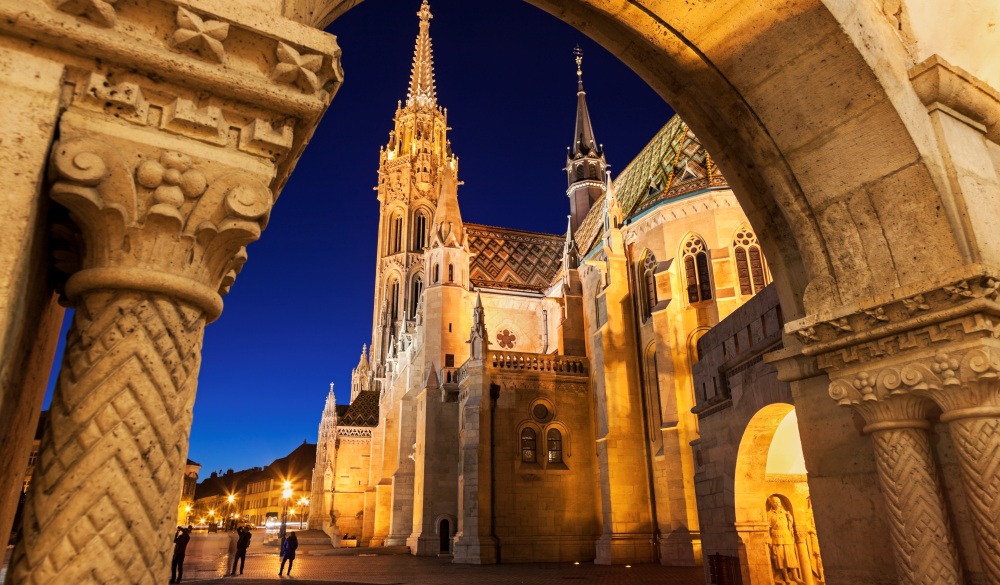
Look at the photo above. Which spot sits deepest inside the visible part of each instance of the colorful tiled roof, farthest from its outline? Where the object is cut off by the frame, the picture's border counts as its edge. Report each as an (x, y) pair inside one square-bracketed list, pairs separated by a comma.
[(512, 259), (363, 412), (673, 164)]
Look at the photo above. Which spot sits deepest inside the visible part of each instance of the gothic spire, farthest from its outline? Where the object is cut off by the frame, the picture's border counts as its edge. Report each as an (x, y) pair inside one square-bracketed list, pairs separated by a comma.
[(583, 139), (330, 409), (421, 90)]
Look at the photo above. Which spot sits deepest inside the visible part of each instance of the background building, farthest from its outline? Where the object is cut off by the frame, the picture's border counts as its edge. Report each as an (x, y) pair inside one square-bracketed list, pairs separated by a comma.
[(499, 357)]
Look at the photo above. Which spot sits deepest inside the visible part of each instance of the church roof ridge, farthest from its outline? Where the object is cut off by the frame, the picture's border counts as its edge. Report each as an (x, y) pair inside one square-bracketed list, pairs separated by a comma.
[(483, 226)]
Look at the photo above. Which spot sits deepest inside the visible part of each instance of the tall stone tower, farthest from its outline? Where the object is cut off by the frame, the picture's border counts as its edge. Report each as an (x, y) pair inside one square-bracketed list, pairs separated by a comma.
[(585, 163), (412, 171), (321, 502)]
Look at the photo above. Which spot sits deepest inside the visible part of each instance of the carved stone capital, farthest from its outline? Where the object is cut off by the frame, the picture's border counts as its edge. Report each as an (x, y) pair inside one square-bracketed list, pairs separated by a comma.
[(157, 220), (964, 382)]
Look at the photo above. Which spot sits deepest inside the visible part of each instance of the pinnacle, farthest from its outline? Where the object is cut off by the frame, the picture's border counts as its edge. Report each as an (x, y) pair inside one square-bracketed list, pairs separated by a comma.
[(422, 92)]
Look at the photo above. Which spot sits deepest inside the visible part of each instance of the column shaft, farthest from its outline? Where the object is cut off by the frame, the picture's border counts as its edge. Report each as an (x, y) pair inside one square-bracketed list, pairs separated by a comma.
[(105, 491), (977, 442), (921, 537)]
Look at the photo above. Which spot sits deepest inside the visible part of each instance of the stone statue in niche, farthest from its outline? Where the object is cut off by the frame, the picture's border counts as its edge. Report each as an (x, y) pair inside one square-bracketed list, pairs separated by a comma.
[(812, 544), (784, 559)]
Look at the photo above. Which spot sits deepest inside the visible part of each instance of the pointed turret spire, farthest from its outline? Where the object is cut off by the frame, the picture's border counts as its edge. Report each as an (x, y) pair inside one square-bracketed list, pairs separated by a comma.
[(583, 139), (585, 162), (422, 91), (330, 410), (477, 337), (448, 228), (570, 260)]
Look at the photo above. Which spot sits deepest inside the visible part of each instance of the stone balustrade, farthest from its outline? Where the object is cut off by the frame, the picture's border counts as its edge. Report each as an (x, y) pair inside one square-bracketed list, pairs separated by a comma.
[(539, 362)]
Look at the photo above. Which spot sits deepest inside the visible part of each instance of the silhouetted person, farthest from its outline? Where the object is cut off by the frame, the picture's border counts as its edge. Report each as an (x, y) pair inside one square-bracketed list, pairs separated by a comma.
[(181, 539), (288, 553), (241, 548)]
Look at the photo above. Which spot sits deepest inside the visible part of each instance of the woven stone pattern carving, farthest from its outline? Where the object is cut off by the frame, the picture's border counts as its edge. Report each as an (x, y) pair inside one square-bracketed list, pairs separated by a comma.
[(105, 491), (925, 551), (977, 441)]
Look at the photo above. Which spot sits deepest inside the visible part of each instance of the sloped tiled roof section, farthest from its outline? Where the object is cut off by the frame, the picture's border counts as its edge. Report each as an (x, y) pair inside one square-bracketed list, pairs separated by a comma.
[(673, 164), (509, 259), (363, 412)]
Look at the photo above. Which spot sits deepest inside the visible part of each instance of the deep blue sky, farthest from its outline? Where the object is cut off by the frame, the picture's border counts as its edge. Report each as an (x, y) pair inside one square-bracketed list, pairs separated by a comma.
[(300, 310)]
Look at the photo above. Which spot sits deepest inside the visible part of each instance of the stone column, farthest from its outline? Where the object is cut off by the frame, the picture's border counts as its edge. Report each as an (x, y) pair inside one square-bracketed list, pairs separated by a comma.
[(923, 544), (178, 124), (965, 383)]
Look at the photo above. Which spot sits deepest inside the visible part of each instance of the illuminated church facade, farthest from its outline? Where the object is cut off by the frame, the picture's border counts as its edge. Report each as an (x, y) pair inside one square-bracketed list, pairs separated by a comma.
[(494, 414)]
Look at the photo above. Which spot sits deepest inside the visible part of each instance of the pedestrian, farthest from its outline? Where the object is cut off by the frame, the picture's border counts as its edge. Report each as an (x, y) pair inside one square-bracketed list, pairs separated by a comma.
[(234, 539), (181, 539), (288, 553), (241, 547)]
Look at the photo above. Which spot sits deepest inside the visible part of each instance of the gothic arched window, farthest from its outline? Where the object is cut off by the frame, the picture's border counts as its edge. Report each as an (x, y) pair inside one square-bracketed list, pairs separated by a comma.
[(528, 445), (751, 269), (394, 299), (419, 231), (451, 273), (652, 392), (649, 283), (696, 270), (437, 273), (396, 233), (418, 287), (554, 438)]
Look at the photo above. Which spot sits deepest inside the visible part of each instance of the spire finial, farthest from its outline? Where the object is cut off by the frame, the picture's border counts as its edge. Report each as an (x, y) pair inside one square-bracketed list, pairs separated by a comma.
[(331, 387), (578, 53), (422, 91)]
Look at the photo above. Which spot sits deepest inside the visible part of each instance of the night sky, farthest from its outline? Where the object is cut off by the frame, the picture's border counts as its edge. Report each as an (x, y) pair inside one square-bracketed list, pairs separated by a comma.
[(302, 307)]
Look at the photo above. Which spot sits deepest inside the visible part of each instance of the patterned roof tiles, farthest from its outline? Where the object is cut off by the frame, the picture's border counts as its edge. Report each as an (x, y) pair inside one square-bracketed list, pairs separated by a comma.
[(674, 163), (513, 259), (363, 412)]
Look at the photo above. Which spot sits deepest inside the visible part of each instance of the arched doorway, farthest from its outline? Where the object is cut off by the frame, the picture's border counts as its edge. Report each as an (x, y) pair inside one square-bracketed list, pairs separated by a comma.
[(444, 533), (773, 508)]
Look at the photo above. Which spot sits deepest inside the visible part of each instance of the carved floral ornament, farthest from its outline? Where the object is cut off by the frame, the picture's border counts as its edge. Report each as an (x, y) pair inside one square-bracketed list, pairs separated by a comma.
[(200, 36), (166, 226), (962, 383)]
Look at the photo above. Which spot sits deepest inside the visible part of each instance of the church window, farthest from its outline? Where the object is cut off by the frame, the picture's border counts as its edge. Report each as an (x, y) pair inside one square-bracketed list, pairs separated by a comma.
[(554, 438), (449, 359), (418, 288), (751, 270), (396, 233), (528, 445), (437, 275), (394, 299), (419, 232), (696, 270), (652, 372), (579, 172), (451, 273), (649, 283)]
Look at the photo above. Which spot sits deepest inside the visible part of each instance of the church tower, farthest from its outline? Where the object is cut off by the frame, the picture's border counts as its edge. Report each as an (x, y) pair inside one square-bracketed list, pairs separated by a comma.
[(414, 167), (585, 163), (326, 462), (361, 375)]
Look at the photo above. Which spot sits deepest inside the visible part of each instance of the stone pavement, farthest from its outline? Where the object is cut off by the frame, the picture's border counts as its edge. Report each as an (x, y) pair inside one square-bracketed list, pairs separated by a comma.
[(408, 570)]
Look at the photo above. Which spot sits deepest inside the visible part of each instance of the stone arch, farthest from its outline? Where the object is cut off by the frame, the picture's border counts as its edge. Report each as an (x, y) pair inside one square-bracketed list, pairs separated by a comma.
[(763, 472)]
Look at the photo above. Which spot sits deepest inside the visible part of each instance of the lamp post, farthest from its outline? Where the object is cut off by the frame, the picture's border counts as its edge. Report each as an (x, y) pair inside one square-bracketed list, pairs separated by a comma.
[(187, 514), (286, 494), (229, 520), (303, 502)]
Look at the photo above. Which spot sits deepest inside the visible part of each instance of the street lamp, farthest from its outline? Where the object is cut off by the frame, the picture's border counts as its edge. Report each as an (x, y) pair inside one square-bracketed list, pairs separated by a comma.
[(230, 499), (303, 502), (286, 494), (187, 514)]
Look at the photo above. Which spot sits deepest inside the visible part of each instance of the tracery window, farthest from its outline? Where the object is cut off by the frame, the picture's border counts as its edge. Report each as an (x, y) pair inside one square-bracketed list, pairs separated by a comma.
[(554, 438), (396, 233), (418, 287), (394, 299), (419, 232), (751, 269), (528, 445), (696, 270), (649, 282)]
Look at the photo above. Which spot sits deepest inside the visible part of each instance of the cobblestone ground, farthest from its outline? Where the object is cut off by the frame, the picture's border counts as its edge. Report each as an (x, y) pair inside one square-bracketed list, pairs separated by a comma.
[(409, 570)]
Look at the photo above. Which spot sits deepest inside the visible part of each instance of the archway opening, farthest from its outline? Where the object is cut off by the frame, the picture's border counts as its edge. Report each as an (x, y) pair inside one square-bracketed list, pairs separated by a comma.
[(773, 508)]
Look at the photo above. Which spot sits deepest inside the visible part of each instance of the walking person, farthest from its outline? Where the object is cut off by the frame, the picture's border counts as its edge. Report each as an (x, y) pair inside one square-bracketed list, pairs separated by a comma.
[(288, 553), (181, 539), (241, 548), (234, 538)]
